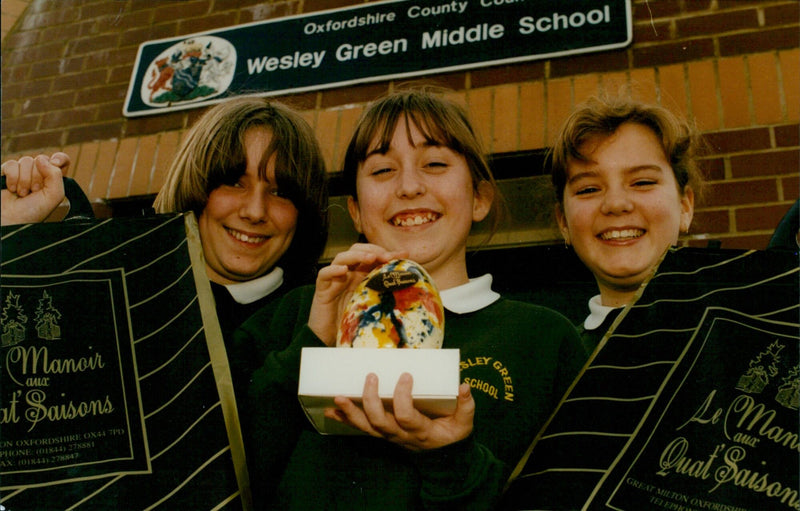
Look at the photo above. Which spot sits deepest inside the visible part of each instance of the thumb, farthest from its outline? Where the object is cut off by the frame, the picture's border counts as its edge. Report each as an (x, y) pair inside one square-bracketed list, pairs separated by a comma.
[(61, 160)]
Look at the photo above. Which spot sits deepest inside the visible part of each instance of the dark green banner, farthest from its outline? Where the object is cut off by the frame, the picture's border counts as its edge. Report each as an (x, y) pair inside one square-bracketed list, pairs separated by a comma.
[(376, 41)]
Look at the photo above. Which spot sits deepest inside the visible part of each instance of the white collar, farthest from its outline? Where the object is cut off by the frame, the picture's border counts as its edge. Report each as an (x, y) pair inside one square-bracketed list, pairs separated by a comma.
[(252, 290), (470, 297), (597, 313)]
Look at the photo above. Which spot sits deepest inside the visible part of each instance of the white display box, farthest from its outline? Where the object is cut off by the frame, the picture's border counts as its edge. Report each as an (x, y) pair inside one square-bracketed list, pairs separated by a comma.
[(329, 372)]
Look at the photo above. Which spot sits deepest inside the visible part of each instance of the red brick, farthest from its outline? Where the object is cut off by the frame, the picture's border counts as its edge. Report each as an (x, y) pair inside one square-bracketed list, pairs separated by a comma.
[(745, 242), (35, 140), (48, 103), (302, 101), (660, 31), (735, 141), (713, 169), (264, 11), (742, 192), (787, 135), (181, 10), (96, 95), (781, 14), (455, 81), (81, 80), (232, 5), (111, 58), (355, 94), (646, 10), (791, 188), (698, 5), (48, 19), (141, 35), (765, 164), (717, 23), (500, 75), (671, 53), (207, 23), (323, 5), (15, 74), (100, 131), (725, 5), (758, 41), (15, 125), (92, 44), (67, 118), (154, 124), (710, 221), (758, 218), (21, 39), (616, 60)]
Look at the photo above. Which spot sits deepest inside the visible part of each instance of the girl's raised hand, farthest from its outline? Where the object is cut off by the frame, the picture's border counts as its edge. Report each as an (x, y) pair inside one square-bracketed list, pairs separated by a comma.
[(336, 283), (405, 425), (34, 188)]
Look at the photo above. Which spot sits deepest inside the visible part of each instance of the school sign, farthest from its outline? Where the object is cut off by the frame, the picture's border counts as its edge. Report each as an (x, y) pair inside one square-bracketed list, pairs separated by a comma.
[(377, 41)]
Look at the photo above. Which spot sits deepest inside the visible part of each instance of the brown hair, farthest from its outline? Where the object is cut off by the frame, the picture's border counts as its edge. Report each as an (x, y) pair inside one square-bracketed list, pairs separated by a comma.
[(212, 154), (603, 115), (441, 121)]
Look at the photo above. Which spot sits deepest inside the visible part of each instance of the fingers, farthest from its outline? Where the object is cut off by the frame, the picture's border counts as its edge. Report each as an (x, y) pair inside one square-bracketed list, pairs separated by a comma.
[(28, 174), (405, 413)]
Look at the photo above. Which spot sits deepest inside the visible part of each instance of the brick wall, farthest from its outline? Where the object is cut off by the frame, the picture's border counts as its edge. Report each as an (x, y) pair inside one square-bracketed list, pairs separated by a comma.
[(733, 65)]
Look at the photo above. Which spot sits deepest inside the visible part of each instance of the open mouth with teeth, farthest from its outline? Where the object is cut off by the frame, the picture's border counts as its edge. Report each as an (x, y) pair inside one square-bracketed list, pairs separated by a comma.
[(245, 237), (621, 235), (411, 220)]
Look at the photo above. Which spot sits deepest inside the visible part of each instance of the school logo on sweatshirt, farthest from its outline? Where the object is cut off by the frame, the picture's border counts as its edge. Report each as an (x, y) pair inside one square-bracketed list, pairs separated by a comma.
[(195, 69)]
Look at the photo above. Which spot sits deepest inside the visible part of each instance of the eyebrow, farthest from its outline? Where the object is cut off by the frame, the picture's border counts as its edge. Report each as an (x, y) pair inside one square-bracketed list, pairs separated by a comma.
[(627, 171), (425, 145)]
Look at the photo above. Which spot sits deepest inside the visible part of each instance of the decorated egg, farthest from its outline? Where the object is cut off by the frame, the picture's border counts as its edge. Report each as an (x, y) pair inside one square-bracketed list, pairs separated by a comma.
[(396, 306)]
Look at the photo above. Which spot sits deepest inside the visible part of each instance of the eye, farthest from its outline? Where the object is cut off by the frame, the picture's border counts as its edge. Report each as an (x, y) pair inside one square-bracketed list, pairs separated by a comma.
[(586, 190), (640, 183), (436, 164), (380, 170)]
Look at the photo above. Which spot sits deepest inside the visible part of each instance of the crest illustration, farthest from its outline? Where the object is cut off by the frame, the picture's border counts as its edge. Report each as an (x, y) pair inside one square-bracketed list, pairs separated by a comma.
[(194, 69)]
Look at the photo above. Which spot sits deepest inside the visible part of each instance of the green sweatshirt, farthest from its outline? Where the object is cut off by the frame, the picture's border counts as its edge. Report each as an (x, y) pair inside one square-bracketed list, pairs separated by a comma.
[(518, 358)]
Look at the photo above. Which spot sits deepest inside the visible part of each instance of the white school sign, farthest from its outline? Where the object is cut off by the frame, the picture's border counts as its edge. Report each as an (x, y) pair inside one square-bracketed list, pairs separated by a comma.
[(376, 41)]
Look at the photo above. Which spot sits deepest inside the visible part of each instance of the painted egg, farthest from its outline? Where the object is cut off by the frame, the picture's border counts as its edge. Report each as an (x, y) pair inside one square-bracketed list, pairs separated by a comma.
[(396, 306)]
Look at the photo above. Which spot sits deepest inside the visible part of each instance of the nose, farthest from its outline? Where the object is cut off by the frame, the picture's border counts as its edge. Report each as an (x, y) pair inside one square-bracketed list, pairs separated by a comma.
[(616, 201), (255, 206), (410, 183)]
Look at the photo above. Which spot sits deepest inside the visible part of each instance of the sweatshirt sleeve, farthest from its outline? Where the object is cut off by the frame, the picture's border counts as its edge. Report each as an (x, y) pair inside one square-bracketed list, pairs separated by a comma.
[(461, 476)]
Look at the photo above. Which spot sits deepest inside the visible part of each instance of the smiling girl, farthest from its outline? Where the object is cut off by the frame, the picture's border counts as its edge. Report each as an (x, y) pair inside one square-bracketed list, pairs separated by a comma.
[(625, 177), (417, 181), (253, 173)]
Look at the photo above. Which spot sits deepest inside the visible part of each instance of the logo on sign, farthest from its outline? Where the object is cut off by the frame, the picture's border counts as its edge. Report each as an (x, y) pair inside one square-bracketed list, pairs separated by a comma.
[(194, 69)]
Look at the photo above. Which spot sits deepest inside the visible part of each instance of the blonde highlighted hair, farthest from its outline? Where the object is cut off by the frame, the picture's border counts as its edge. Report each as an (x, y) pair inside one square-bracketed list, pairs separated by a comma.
[(213, 153)]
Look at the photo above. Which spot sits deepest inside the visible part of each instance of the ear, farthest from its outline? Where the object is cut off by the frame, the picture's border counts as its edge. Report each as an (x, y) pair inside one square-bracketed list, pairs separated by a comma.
[(355, 213), (687, 208), (562, 223), (482, 202)]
